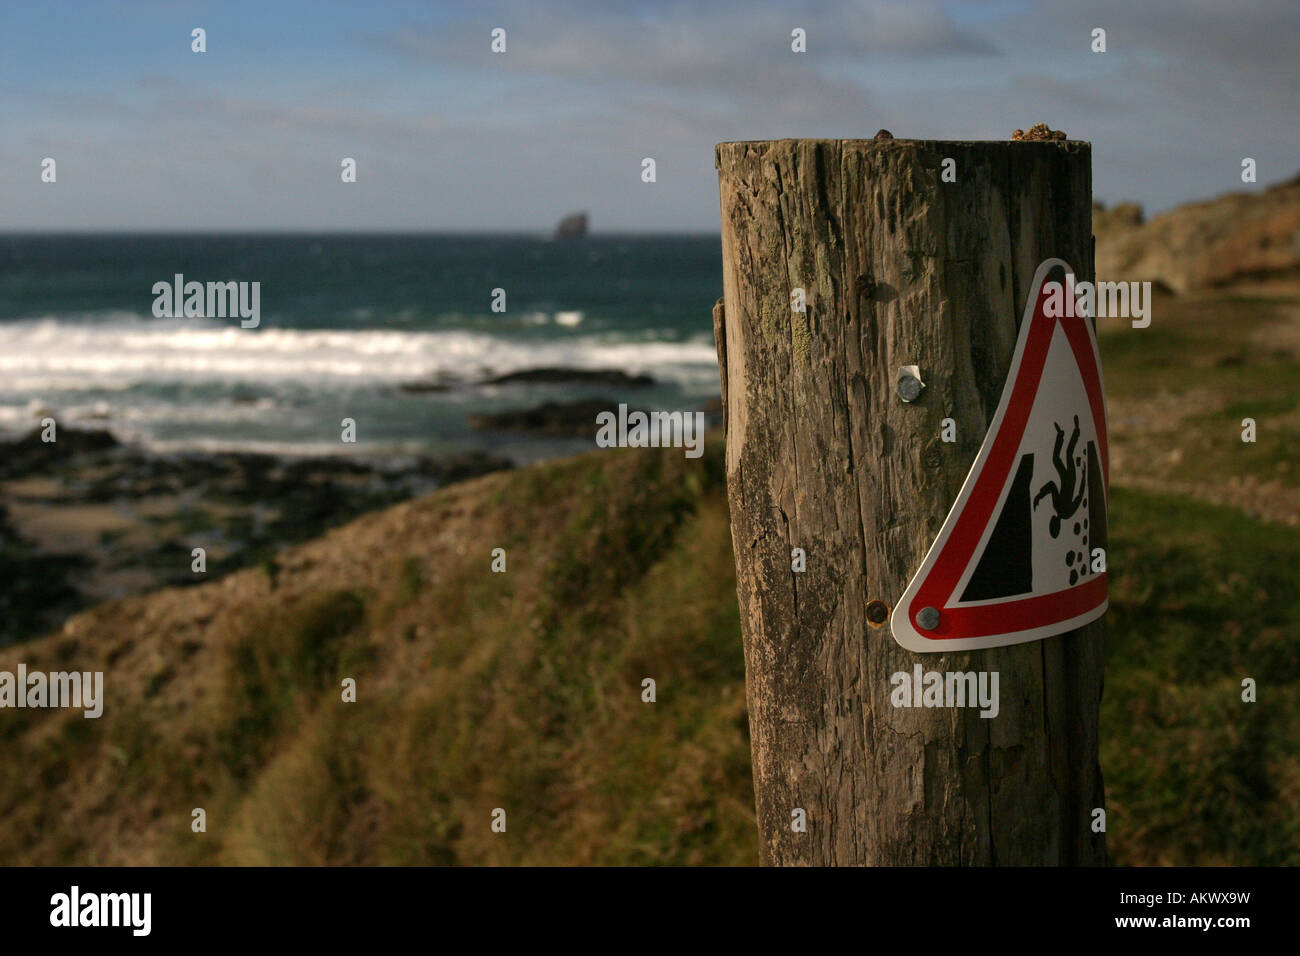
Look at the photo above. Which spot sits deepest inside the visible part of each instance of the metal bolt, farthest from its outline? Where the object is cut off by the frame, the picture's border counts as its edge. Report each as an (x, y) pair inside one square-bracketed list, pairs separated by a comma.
[(927, 618), (910, 385)]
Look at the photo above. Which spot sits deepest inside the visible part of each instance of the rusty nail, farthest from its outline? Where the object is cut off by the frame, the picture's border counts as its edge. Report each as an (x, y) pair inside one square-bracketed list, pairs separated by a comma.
[(877, 613), (927, 618)]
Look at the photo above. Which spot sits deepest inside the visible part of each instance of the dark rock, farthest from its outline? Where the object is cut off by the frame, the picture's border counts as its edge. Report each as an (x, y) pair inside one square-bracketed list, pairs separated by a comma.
[(70, 441), (572, 376), (573, 226), (459, 467), (552, 419), (420, 388), (39, 588), (29, 453)]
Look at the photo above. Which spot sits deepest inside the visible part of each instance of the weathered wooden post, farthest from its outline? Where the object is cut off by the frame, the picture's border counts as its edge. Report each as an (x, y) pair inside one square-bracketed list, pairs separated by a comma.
[(900, 266)]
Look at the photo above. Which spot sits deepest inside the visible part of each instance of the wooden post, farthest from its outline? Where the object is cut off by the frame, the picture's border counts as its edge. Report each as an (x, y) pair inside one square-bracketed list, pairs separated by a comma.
[(899, 267)]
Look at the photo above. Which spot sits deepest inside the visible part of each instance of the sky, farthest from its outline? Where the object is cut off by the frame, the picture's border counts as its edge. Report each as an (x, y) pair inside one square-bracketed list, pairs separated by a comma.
[(449, 136)]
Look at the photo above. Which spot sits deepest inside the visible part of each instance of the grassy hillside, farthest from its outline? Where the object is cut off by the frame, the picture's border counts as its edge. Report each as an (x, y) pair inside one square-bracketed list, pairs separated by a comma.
[(523, 690), (475, 690)]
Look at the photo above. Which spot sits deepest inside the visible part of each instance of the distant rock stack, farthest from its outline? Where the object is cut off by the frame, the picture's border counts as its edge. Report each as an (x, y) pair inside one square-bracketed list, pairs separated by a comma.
[(572, 226)]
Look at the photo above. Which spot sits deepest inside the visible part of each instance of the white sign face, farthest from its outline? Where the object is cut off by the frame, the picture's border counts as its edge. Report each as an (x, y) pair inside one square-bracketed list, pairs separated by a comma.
[(1021, 555)]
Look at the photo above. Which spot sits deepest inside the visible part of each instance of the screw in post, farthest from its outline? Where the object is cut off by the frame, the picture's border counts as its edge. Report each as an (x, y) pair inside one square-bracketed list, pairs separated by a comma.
[(927, 618), (910, 385)]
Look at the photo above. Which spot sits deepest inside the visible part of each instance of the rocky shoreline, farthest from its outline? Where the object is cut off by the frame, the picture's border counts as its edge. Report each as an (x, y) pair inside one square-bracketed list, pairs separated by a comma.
[(87, 518)]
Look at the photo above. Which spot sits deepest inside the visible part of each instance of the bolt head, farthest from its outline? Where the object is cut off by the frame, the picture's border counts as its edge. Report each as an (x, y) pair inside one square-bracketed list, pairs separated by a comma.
[(909, 388), (927, 618)]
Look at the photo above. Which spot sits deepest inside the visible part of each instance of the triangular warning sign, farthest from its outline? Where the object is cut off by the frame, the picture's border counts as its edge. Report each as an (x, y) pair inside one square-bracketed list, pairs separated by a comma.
[(1021, 555)]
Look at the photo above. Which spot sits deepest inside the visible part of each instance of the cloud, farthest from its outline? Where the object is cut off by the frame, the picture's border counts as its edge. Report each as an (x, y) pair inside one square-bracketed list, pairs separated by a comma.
[(1247, 46), (739, 53), (450, 136)]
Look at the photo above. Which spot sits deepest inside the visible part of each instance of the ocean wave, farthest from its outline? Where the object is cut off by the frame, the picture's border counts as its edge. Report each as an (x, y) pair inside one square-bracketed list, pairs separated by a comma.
[(57, 354)]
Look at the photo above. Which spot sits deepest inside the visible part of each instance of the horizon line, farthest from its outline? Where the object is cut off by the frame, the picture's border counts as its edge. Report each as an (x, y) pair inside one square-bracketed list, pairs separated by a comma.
[(462, 233)]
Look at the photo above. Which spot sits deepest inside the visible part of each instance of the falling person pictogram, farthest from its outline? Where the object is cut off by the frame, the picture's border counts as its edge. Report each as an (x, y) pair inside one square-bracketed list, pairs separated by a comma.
[(1064, 500)]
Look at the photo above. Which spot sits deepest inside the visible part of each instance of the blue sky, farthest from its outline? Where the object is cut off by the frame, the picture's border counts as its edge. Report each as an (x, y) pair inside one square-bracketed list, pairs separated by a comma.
[(448, 136)]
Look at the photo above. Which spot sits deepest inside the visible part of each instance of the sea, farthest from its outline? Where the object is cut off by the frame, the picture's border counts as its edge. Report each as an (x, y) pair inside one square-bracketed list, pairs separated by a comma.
[(347, 321)]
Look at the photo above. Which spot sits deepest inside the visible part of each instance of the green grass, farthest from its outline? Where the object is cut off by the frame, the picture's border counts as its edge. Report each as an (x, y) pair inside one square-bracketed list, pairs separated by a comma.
[(1274, 454), (1198, 343), (283, 654), (1201, 598)]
